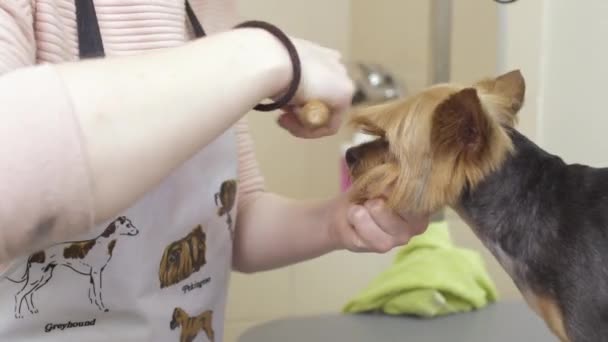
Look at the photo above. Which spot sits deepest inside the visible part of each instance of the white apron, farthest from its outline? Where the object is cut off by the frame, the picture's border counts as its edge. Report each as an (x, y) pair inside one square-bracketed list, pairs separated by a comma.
[(157, 272)]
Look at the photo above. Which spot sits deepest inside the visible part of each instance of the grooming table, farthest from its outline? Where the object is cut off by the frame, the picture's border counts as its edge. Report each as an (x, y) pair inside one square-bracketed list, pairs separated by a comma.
[(500, 322)]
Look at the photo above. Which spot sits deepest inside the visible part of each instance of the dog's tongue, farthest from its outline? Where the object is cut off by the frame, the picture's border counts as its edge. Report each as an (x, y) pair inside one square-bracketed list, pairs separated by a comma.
[(358, 139)]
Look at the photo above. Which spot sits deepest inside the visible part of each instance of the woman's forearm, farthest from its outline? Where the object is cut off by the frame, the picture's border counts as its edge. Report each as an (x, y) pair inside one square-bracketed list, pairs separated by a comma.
[(149, 113), (273, 231)]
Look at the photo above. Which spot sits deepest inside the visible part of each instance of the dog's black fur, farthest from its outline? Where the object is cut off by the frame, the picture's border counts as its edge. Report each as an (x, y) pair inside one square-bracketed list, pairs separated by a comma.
[(550, 218)]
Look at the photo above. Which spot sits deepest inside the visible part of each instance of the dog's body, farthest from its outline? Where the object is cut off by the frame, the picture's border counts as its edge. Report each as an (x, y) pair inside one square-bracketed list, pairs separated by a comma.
[(544, 220), (192, 326), (88, 257)]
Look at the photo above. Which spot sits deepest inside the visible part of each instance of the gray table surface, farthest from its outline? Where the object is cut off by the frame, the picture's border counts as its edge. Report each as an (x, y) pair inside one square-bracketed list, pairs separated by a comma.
[(500, 322)]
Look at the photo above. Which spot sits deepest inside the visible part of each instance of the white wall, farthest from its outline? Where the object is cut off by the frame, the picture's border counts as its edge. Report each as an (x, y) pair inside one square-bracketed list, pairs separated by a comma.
[(520, 46), (395, 34), (574, 116), (562, 49), (474, 45)]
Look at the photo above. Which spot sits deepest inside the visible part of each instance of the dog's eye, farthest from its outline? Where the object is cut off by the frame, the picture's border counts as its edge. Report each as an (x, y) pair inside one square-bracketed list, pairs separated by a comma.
[(174, 256)]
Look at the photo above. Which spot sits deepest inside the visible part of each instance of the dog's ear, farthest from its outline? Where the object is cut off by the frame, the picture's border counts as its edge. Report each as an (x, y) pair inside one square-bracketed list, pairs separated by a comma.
[(460, 127), (178, 313), (199, 231), (504, 95), (111, 229)]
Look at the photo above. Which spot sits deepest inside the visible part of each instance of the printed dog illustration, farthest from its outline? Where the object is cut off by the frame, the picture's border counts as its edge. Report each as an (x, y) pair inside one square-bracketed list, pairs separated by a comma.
[(183, 257), (88, 257), (225, 199), (191, 326)]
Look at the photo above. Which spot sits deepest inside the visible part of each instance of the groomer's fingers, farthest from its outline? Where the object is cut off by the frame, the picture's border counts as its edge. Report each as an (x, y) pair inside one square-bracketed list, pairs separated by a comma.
[(417, 224), (401, 227), (368, 235), (387, 220), (290, 122)]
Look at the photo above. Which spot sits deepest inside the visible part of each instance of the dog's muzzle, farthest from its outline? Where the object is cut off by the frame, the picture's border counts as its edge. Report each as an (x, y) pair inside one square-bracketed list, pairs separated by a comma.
[(351, 156)]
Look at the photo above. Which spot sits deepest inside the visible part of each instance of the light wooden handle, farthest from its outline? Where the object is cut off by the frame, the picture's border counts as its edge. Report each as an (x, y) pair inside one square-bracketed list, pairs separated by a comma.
[(314, 114)]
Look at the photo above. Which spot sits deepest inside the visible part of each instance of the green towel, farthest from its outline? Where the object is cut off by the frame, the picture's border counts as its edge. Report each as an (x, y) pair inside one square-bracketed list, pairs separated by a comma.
[(429, 277)]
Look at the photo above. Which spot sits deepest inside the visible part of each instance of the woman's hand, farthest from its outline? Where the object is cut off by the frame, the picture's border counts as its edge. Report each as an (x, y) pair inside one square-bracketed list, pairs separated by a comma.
[(372, 227), (324, 78)]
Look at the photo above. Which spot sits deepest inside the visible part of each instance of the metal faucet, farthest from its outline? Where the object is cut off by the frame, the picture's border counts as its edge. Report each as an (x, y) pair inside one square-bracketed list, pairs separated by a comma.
[(374, 84)]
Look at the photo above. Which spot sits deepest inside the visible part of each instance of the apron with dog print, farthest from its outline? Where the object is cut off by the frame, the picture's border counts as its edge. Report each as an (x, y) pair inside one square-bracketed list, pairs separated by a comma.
[(157, 272)]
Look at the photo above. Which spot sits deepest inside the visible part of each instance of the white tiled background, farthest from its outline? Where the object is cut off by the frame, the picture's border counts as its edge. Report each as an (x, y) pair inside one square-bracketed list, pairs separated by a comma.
[(395, 33)]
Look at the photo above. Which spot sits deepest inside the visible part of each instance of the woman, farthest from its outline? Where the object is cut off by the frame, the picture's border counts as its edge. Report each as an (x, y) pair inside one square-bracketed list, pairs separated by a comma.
[(118, 217)]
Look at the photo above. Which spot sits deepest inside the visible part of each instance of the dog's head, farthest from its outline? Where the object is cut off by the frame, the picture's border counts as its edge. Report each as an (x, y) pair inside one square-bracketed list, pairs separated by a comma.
[(431, 146), (124, 226), (183, 257), (120, 226), (179, 316), (228, 193)]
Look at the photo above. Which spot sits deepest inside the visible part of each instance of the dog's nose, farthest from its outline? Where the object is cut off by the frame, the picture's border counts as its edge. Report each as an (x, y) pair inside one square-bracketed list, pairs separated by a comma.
[(351, 157)]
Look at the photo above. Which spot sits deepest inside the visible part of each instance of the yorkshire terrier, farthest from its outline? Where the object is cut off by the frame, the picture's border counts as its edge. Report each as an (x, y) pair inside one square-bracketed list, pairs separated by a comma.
[(545, 221)]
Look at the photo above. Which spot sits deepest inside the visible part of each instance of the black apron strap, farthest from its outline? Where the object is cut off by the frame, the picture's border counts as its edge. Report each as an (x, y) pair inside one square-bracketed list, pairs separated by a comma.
[(196, 25), (90, 43)]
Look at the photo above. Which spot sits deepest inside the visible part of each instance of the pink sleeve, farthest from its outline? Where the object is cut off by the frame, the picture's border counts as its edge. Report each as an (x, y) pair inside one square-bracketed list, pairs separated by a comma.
[(45, 182), (251, 182)]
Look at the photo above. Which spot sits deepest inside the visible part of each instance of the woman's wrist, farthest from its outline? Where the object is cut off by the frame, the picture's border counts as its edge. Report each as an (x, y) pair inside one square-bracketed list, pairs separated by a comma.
[(333, 210), (267, 58)]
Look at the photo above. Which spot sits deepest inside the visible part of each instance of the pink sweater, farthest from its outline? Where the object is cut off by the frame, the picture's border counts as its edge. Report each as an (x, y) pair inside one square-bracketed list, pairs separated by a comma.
[(45, 187)]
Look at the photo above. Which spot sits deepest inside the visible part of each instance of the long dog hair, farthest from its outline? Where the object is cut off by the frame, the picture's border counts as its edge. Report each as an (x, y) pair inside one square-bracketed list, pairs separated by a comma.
[(183, 257)]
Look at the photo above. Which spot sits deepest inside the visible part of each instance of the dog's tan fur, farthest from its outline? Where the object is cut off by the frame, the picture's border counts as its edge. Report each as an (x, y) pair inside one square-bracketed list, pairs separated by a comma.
[(183, 257), (191, 326), (547, 308), (452, 151)]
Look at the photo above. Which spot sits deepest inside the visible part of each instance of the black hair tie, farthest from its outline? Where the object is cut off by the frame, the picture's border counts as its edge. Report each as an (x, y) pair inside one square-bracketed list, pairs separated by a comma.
[(295, 62)]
